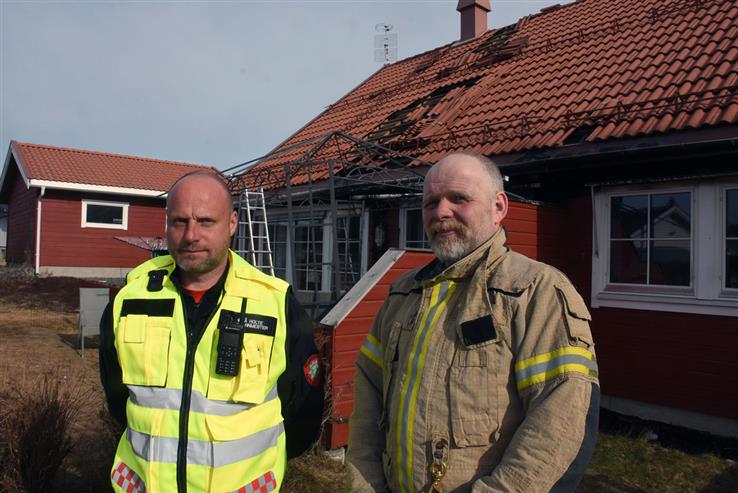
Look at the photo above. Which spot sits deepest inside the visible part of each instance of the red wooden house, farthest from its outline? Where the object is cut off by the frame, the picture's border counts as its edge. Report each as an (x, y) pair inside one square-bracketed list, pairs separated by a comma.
[(616, 122), (81, 213)]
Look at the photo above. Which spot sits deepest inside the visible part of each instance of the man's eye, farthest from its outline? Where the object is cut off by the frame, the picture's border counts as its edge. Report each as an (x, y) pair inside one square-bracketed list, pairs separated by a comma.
[(459, 199), (430, 204)]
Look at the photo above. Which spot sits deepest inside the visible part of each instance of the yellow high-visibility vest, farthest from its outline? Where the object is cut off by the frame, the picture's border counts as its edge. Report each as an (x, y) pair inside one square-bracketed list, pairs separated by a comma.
[(225, 432)]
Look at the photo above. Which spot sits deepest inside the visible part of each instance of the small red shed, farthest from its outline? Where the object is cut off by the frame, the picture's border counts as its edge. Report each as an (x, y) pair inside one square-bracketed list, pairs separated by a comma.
[(80, 213)]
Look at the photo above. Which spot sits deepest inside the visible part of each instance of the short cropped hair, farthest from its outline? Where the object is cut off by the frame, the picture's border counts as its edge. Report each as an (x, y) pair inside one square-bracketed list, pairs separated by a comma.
[(490, 166)]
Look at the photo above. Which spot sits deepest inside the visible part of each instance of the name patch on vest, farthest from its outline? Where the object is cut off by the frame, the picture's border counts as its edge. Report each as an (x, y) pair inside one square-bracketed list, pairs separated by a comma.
[(152, 308), (260, 324)]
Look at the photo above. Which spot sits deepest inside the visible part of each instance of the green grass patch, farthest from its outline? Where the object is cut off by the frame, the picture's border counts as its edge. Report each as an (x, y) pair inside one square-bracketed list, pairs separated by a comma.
[(629, 464)]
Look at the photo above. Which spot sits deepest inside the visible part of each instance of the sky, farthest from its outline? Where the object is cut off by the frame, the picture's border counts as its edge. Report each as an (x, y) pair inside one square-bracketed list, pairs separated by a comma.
[(216, 83)]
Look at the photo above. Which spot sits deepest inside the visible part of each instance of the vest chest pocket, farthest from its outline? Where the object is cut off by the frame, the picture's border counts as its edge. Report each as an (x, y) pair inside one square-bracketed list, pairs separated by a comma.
[(473, 396), (250, 384), (143, 349)]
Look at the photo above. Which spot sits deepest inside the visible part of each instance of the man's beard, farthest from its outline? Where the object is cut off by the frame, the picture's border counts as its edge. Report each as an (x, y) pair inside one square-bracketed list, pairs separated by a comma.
[(451, 250), (200, 266)]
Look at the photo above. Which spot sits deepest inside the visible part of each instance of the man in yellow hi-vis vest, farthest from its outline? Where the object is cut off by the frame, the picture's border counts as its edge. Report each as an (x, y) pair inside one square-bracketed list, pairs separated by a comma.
[(209, 364), (479, 373)]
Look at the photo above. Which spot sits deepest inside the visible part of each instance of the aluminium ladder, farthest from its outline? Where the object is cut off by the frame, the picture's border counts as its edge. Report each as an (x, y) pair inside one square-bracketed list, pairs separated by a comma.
[(253, 231)]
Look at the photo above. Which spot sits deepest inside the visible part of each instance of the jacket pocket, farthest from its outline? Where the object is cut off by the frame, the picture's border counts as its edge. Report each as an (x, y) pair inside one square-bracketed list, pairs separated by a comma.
[(143, 349), (253, 373), (473, 396), (577, 315)]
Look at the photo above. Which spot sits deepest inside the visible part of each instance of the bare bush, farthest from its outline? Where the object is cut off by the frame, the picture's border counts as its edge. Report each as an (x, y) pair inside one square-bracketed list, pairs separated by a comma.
[(35, 424)]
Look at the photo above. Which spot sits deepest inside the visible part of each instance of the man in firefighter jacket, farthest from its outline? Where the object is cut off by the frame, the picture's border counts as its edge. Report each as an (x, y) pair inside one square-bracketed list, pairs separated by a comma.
[(479, 373), (209, 364)]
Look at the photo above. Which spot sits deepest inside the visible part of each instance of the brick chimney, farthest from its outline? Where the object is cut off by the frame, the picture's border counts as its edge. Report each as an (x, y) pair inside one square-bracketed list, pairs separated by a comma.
[(473, 17)]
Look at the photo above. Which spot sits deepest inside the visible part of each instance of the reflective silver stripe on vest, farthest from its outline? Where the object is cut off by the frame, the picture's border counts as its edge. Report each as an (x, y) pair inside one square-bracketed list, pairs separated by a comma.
[(163, 398), (201, 452)]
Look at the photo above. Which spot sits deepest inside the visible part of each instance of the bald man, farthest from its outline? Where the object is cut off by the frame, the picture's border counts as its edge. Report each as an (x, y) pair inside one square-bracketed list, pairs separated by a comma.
[(479, 372), (209, 364)]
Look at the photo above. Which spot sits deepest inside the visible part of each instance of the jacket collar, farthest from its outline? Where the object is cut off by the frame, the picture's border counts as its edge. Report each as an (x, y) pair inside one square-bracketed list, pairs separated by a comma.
[(490, 253)]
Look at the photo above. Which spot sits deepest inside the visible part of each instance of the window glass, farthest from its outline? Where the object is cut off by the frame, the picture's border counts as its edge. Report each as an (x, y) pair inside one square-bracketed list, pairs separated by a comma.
[(670, 215), (414, 233), (308, 255), (664, 222), (349, 251), (104, 214), (628, 217), (731, 239), (628, 262)]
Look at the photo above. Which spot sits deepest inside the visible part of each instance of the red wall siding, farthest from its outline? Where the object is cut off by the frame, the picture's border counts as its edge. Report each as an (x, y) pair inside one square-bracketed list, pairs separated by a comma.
[(21, 219), (65, 243)]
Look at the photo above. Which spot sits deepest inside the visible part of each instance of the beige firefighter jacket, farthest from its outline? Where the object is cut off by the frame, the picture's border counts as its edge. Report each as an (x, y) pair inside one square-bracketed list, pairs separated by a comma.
[(484, 371)]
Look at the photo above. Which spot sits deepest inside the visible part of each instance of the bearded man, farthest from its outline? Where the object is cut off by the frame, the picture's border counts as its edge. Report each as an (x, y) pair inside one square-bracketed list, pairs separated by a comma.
[(479, 373), (209, 364)]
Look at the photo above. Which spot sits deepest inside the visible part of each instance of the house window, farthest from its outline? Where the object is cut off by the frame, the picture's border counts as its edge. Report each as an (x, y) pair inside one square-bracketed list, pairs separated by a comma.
[(650, 239), (349, 251), (308, 255), (669, 247), (731, 239), (413, 232), (99, 214)]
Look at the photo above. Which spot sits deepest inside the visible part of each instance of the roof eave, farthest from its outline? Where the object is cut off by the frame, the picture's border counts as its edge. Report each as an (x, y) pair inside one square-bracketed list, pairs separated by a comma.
[(85, 187)]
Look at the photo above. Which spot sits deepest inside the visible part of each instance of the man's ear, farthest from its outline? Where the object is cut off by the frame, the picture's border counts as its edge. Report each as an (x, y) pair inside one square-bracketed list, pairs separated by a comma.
[(500, 207), (233, 222)]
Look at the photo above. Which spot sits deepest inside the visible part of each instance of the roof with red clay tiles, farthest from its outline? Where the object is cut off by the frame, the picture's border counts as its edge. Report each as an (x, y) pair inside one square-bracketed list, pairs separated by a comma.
[(59, 164), (589, 71)]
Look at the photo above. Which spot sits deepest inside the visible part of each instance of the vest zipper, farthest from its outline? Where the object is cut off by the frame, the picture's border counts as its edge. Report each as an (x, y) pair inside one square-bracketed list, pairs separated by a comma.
[(184, 410)]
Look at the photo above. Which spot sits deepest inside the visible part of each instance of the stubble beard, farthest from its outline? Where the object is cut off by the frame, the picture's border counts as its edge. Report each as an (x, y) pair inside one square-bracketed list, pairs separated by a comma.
[(212, 260)]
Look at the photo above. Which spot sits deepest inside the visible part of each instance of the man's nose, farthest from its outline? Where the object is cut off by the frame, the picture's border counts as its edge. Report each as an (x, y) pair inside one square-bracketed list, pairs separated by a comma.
[(191, 233), (444, 209)]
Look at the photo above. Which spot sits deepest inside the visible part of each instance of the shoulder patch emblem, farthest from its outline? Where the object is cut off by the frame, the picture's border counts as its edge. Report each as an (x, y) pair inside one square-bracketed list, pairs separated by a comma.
[(311, 370)]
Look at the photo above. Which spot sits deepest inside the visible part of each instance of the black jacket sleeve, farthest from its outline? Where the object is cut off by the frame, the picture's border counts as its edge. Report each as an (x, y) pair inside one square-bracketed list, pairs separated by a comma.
[(302, 401), (110, 373)]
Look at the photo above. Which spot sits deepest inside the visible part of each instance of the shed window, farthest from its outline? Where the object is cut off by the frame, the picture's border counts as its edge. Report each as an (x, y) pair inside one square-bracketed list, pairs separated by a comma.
[(98, 214)]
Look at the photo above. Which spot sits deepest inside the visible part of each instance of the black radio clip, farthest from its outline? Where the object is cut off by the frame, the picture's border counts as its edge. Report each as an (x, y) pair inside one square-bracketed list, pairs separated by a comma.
[(230, 341)]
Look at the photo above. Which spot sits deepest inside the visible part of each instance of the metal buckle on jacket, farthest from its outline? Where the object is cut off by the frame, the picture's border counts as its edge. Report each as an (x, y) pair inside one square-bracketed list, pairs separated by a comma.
[(439, 465)]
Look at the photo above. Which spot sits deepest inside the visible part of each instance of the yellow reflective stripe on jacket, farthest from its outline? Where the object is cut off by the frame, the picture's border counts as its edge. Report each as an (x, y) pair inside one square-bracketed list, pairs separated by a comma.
[(164, 398), (546, 366), (440, 294), (372, 349)]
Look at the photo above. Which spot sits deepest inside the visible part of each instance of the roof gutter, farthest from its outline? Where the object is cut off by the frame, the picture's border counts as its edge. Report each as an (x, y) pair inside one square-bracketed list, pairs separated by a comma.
[(38, 230)]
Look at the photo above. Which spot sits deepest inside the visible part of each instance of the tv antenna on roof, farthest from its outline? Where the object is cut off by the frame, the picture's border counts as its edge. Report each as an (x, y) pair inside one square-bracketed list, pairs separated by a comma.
[(385, 44)]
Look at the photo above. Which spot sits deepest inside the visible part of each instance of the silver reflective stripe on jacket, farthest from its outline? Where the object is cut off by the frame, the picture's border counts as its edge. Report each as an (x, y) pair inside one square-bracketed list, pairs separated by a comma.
[(201, 452), (163, 398)]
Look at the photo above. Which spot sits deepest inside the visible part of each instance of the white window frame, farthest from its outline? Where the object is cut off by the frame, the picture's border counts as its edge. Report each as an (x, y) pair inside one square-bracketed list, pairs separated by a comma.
[(86, 224), (326, 279), (706, 294), (723, 207), (404, 229)]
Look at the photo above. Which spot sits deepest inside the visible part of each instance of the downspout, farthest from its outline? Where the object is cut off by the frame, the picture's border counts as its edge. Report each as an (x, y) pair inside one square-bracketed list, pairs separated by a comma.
[(38, 230)]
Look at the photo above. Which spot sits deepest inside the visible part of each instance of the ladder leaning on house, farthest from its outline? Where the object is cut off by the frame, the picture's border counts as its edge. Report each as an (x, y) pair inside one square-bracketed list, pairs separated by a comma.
[(252, 235)]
